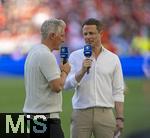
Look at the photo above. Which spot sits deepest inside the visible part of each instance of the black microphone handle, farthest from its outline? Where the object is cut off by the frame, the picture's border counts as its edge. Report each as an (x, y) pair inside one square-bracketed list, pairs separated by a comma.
[(64, 61), (88, 70)]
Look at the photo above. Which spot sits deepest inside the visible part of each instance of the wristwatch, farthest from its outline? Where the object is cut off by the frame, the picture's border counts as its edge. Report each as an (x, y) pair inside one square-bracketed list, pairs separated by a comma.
[(120, 118)]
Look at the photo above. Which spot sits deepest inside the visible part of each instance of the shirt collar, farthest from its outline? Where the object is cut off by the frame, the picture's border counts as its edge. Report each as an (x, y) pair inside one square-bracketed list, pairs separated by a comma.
[(46, 47), (103, 49)]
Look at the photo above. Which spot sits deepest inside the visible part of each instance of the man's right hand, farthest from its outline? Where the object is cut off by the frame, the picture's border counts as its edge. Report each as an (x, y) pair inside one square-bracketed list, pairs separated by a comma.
[(85, 66), (87, 63), (65, 68)]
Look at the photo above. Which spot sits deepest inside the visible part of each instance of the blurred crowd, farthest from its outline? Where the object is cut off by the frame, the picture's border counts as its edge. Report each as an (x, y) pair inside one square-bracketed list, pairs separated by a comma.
[(126, 23)]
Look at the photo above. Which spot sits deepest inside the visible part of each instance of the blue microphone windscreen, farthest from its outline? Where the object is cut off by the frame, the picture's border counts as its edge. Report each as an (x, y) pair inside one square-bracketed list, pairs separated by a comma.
[(64, 52), (87, 50)]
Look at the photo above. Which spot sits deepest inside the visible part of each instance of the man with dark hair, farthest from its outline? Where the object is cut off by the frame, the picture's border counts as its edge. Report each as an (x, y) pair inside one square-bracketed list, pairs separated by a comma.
[(96, 92)]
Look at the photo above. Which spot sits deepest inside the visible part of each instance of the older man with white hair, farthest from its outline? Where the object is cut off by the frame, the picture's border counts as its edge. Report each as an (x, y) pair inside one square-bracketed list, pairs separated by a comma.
[(44, 81)]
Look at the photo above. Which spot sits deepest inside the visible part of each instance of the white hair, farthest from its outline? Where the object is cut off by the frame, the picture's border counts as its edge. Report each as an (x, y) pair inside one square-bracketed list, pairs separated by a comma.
[(51, 26)]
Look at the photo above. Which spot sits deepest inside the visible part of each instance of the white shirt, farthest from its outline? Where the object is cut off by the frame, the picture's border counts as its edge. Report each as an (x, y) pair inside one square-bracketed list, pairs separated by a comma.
[(40, 68), (102, 86)]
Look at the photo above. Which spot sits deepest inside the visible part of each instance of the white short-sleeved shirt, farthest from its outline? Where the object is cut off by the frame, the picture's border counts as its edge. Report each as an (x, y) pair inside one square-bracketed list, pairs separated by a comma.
[(40, 68), (102, 86)]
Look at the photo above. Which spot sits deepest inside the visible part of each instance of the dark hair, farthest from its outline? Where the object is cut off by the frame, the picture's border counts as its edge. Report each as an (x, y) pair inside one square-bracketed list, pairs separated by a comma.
[(93, 21)]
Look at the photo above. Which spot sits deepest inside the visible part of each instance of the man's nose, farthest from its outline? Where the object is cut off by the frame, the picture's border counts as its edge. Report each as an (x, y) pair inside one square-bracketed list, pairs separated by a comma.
[(88, 36)]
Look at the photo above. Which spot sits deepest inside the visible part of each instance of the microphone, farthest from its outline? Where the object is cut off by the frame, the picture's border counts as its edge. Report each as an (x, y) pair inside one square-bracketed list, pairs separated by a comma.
[(64, 54), (88, 53)]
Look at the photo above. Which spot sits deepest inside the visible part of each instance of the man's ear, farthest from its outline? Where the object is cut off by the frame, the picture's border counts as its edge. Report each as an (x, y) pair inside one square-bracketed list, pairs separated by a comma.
[(52, 35)]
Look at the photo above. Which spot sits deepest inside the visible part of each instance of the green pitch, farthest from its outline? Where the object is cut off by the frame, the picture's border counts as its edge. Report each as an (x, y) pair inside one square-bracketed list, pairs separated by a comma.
[(137, 103)]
